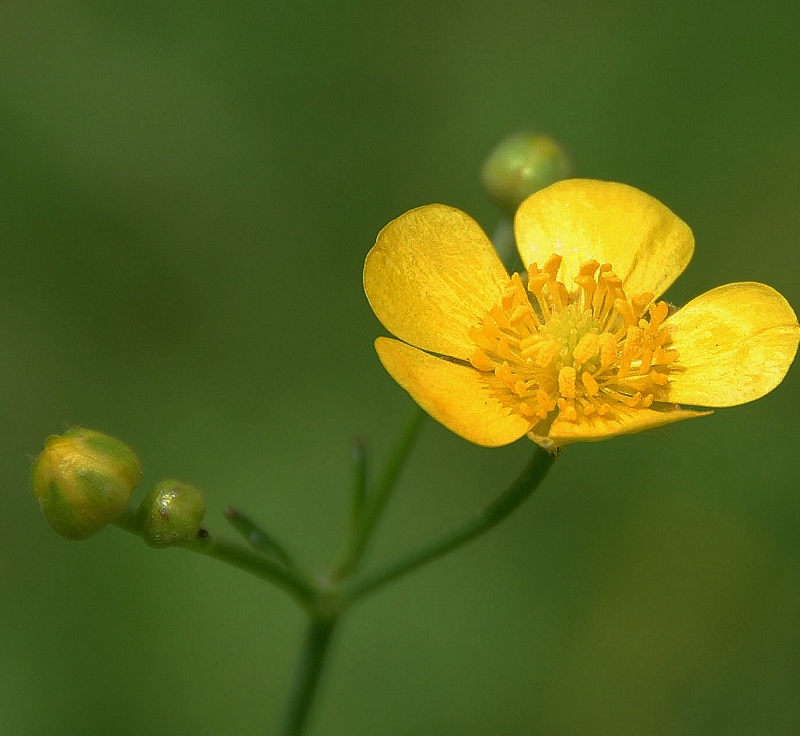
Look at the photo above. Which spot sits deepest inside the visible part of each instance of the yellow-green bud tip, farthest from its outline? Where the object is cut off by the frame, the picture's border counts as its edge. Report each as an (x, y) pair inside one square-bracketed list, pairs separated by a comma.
[(520, 165), (83, 481), (171, 514)]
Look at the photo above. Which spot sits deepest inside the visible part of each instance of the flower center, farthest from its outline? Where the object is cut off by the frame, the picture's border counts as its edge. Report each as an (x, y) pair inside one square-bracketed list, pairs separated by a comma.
[(574, 354)]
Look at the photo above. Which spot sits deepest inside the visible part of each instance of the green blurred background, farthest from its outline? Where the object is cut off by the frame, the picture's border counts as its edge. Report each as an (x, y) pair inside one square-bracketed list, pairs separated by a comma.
[(188, 190)]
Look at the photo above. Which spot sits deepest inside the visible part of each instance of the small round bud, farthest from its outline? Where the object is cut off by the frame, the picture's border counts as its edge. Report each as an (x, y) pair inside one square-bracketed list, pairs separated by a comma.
[(520, 165), (171, 514), (83, 481)]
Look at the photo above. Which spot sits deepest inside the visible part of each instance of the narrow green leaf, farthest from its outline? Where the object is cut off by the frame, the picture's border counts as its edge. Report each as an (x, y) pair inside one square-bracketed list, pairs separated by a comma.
[(256, 537)]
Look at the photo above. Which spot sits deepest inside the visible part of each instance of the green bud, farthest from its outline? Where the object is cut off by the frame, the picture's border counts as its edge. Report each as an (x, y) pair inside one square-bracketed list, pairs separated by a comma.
[(83, 481), (171, 514), (520, 165)]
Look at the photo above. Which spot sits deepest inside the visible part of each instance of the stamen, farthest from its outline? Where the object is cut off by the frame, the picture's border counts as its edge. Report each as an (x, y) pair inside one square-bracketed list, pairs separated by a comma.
[(550, 352), (500, 318), (591, 386), (567, 410), (587, 348), (625, 310), (566, 381), (658, 313), (640, 303), (546, 403), (536, 282), (481, 361), (608, 349), (665, 357), (551, 266), (659, 379)]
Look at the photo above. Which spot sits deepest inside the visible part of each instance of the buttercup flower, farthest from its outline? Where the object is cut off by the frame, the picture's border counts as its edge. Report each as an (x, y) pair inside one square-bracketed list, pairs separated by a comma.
[(577, 347)]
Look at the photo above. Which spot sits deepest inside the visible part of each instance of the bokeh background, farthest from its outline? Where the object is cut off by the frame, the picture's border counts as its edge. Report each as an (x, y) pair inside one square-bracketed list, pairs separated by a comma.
[(187, 193)]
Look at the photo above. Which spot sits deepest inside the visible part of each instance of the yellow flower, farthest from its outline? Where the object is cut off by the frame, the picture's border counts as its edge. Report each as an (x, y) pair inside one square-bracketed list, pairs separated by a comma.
[(577, 347)]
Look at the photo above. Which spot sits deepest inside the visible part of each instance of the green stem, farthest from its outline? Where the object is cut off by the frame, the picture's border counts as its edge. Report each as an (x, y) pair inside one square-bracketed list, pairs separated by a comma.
[(480, 522), (376, 502), (297, 584), (307, 676), (301, 587), (358, 493)]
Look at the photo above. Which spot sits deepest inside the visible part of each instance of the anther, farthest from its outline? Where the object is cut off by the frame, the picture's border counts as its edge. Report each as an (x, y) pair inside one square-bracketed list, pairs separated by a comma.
[(608, 349), (499, 317), (591, 386), (658, 313), (546, 403), (551, 265), (503, 372), (566, 381), (625, 310), (481, 361), (640, 302), (660, 379), (566, 411), (587, 348)]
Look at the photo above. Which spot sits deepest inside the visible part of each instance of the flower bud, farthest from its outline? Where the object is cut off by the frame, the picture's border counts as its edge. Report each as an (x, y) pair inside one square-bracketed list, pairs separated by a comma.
[(520, 165), (83, 481), (171, 514)]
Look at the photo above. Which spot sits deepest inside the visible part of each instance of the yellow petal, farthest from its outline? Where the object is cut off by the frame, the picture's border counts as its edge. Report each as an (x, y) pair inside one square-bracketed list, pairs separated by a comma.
[(736, 343), (455, 395), (431, 275), (625, 421), (582, 219)]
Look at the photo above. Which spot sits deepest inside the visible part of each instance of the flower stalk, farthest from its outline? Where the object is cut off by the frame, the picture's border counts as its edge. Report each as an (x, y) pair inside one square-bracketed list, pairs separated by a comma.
[(307, 677), (327, 598), (331, 603), (479, 523), (295, 582)]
